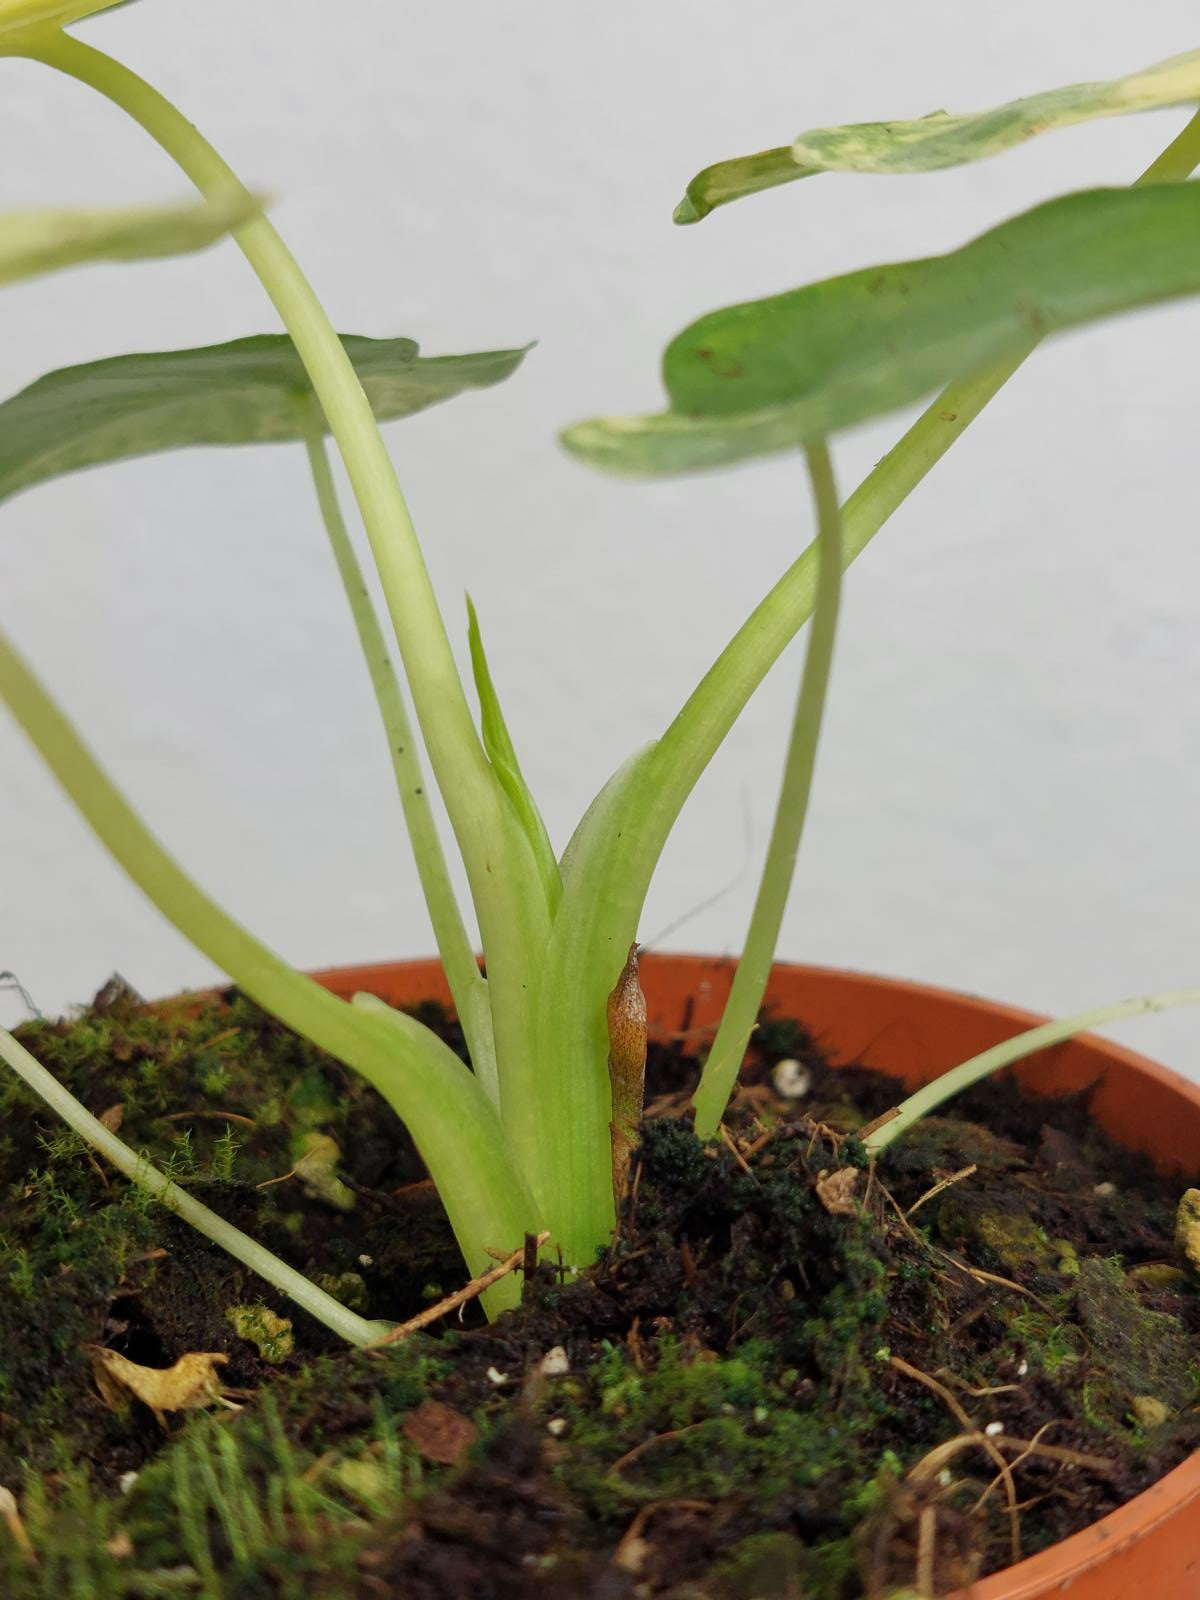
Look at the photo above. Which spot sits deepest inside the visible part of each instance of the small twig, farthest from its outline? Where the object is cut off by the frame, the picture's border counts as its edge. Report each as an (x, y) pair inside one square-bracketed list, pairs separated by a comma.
[(1052, 1452), (658, 1438), (634, 1340), (225, 1116), (926, 1540), (1029, 1450), (1004, 1283), (283, 1178), (625, 1556), (941, 1186), (760, 1143), (942, 1454), (912, 1233), (220, 1038), (977, 1394), (460, 1297), (737, 1155), (9, 980), (964, 1421)]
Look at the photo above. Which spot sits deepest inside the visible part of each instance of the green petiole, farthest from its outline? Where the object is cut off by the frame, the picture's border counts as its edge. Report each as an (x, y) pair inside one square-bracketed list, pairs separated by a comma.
[(754, 968), (346, 1324), (451, 1119), (462, 971), (1015, 1049), (509, 901)]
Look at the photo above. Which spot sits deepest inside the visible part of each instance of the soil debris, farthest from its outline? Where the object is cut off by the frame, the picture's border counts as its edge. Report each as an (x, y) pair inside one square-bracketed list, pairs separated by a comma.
[(722, 1407)]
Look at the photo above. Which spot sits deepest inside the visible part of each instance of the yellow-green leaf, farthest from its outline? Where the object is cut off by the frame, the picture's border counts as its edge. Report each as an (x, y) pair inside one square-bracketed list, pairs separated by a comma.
[(34, 242), (926, 144), (771, 374)]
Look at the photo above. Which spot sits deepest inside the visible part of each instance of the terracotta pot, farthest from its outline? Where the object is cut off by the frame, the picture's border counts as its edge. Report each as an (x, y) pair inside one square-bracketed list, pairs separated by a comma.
[(1150, 1547)]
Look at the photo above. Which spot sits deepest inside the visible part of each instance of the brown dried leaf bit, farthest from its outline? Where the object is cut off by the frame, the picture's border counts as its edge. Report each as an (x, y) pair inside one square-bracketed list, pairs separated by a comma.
[(835, 1191), (439, 1433), (190, 1385), (626, 1069)]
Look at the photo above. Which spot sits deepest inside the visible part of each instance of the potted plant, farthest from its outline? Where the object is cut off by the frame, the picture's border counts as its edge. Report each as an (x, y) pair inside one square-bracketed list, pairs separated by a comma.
[(791, 1236)]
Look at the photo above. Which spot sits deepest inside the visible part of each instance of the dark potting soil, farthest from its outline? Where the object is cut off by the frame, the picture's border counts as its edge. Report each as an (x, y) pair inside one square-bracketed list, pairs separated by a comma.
[(792, 1376)]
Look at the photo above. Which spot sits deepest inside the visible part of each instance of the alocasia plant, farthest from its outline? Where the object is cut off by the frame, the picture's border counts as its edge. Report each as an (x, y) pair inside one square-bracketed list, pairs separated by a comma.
[(535, 1136)]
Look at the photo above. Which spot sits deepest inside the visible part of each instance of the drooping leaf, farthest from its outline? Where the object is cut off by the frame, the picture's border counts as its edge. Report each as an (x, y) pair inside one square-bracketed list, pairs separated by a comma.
[(35, 242), (498, 744), (926, 144), (244, 392), (772, 374)]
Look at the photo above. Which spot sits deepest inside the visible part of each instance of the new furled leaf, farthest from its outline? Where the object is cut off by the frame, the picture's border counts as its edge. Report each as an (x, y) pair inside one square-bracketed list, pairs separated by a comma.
[(244, 392), (37, 242), (926, 144), (767, 375), (500, 752)]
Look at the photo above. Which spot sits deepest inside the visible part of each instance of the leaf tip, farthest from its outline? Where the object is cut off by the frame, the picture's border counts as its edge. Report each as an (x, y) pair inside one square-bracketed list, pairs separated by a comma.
[(690, 209)]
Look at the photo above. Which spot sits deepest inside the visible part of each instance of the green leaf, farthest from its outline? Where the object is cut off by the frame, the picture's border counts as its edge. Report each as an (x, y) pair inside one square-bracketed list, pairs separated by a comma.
[(735, 179), (940, 139), (772, 374), (245, 392), (35, 242), (500, 752)]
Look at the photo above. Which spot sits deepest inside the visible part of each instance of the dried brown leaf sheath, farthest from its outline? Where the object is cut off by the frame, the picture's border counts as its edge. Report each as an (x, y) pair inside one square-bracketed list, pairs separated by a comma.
[(190, 1385), (626, 1068)]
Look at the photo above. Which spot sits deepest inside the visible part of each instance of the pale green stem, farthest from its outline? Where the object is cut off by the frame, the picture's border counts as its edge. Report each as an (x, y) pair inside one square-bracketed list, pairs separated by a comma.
[(1016, 1049), (616, 848), (346, 1324), (449, 1116), (509, 901), (462, 971), (762, 936)]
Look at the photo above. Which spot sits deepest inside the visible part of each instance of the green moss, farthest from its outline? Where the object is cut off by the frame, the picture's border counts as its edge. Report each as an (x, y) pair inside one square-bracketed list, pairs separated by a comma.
[(269, 1333), (348, 1287), (764, 1564), (1138, 1352), (1047, 1344), (745, 1369)]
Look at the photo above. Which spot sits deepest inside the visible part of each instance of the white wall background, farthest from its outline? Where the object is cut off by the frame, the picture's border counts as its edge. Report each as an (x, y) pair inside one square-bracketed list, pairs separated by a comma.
[(1008, 793)]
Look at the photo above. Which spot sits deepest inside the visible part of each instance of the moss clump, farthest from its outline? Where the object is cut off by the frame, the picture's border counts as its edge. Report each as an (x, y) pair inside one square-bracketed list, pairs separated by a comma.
[(223, 1099), (269, 1333), (1142, 1353), (348, 1287), (739, 1410)]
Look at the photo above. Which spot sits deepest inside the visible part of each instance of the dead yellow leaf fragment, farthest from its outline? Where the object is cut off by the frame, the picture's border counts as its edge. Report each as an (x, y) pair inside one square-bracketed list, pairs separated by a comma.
[(835, 1191), (192, 1384)]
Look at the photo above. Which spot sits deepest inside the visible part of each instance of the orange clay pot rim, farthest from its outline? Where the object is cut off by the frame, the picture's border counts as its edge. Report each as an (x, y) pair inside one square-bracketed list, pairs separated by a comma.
[(1058, 1567)]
